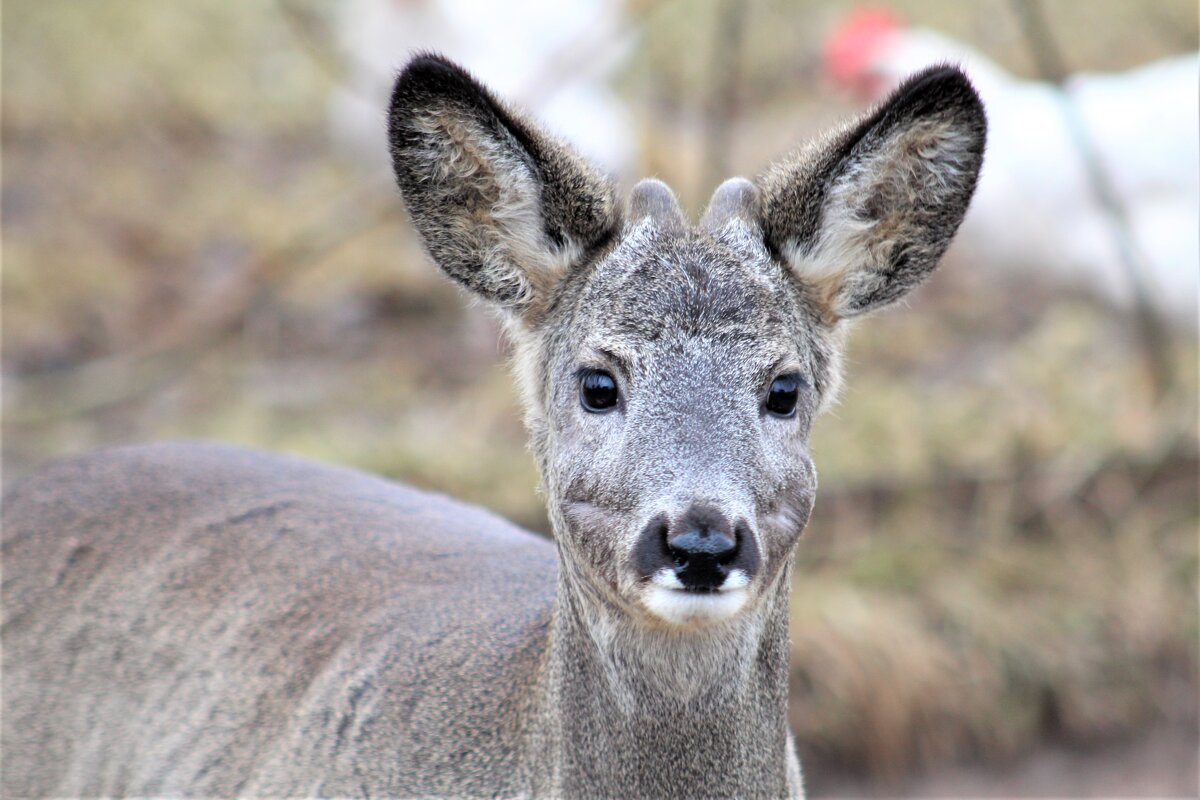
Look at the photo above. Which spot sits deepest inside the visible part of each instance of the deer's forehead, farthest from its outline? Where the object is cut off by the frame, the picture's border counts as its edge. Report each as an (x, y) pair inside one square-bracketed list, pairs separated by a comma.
[(656, 286)]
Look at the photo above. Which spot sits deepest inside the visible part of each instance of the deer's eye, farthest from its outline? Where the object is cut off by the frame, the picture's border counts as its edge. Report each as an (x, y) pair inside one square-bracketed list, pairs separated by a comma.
[(783, 394), (597, 391)]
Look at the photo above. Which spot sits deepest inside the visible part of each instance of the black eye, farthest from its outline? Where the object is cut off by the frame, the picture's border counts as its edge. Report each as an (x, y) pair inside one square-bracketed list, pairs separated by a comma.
[(785, 391), (597, 391)]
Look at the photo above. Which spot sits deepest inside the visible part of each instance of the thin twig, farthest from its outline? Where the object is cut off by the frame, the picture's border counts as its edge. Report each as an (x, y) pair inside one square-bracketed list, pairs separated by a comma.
[(1052, 67)]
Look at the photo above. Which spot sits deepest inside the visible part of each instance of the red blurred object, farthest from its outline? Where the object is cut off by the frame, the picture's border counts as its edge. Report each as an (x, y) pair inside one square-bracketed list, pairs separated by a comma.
[(855, 43)]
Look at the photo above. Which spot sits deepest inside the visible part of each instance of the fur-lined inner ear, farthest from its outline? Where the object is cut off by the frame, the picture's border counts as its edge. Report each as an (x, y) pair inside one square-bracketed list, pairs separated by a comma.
[(490, 236), (502, 208), (863, 216)]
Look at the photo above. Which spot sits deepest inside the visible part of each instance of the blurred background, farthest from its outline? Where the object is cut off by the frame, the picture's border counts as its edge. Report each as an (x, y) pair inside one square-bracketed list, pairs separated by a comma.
[(997, 594)]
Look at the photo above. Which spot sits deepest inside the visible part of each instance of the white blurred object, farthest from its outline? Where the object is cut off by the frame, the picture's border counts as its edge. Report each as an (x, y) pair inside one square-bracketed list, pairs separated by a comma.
[(552, 58), (1035, 207)]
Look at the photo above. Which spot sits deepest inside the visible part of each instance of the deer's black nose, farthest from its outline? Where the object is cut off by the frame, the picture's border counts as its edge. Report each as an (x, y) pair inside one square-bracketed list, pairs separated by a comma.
[(700, 548), (702, 542), (703, 545)]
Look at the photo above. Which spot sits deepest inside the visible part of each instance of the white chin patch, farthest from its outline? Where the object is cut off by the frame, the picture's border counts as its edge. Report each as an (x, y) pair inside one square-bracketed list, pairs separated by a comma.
[(666, 598)]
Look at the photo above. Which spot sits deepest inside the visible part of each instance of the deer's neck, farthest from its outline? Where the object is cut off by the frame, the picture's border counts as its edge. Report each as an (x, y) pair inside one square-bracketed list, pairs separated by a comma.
[(633, 711)]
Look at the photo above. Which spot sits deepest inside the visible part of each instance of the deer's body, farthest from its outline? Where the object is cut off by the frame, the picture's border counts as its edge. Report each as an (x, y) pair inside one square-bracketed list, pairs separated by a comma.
[(253, 626), (200, 620)]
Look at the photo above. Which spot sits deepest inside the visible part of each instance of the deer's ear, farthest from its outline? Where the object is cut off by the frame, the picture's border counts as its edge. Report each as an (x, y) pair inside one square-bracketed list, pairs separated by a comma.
[(503, 209), (863, 216)]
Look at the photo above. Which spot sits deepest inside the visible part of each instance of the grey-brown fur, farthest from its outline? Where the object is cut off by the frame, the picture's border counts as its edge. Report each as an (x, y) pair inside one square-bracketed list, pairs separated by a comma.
[(199, 620)]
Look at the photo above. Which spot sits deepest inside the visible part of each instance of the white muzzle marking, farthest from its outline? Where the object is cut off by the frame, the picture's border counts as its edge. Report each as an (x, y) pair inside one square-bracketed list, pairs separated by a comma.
[(668, 600)]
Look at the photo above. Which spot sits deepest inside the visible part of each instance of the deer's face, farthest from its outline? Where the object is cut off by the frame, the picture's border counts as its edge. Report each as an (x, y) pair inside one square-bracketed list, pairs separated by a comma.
[(671, 374), (683, 374)]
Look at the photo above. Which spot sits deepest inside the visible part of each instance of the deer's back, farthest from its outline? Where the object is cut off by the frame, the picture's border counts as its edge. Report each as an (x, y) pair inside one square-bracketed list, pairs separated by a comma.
[(208, 620)]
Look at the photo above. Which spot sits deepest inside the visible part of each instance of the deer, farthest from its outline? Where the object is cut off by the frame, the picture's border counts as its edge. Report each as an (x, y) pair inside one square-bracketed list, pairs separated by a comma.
[(199, 619)]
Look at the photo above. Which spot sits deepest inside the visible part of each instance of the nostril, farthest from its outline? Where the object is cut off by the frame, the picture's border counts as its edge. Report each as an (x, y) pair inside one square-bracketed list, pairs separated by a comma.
[(742, 533)]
